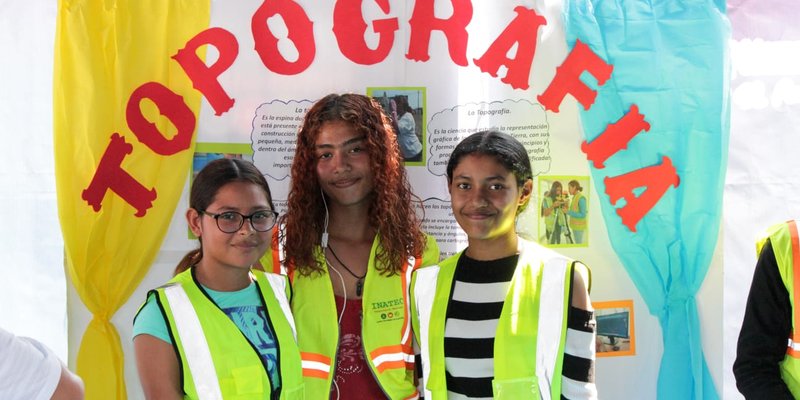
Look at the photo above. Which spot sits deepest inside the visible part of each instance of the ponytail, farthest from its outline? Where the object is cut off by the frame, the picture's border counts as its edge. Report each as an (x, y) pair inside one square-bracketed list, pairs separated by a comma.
[(189, 260)]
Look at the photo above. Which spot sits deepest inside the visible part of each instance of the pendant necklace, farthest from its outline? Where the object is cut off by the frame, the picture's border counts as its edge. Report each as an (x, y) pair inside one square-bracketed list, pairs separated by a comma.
[(359, 279)]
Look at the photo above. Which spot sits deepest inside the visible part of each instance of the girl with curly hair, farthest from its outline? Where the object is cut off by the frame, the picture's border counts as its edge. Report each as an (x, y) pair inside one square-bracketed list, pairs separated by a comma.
[(349, 241)]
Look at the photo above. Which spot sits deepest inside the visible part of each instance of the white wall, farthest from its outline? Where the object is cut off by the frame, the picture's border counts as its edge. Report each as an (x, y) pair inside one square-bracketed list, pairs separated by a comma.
[(763, 182), (32, 285)]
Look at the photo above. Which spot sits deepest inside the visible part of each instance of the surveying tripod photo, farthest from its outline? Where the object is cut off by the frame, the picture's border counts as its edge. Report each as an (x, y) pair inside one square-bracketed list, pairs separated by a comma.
[(557, 226)]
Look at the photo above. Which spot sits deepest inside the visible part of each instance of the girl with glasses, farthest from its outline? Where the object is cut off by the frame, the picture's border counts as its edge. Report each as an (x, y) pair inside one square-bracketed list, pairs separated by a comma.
[(219, 328)]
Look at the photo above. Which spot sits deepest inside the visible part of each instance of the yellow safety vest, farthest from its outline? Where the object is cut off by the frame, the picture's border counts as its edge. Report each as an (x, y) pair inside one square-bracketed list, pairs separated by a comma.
[(549, 220), (216, 358), (785, 245), (539, 291), (386, 323), (574, 206)]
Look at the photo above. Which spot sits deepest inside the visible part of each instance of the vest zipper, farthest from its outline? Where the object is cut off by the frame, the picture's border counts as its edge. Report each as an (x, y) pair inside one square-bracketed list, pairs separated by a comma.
[(334, 360), (364, 344), (369, 363), (338, 335)]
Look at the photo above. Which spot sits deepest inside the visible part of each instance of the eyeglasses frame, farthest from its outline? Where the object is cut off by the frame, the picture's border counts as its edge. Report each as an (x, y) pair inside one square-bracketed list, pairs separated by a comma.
[(244, 218)]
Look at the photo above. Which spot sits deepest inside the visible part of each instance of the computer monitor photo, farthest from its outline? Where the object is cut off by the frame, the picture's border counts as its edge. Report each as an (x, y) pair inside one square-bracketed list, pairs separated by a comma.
[(615, 335)]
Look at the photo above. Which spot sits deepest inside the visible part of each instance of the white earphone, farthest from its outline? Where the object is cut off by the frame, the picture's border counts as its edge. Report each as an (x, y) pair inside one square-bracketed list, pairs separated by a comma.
[(324, 239), (324, 245)]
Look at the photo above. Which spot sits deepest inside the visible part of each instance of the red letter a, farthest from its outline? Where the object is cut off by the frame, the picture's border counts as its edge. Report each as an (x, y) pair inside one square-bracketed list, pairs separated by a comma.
[(524, 31), (656, 179)]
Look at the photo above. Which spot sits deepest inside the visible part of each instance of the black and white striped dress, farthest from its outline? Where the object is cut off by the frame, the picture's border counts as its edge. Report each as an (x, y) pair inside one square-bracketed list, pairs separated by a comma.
[(479, 288)]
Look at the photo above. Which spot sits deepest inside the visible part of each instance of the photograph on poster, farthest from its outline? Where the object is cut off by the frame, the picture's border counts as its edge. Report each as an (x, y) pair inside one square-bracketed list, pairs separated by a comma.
[(405, 106), (563, 210), (615, 328), (204, 153)]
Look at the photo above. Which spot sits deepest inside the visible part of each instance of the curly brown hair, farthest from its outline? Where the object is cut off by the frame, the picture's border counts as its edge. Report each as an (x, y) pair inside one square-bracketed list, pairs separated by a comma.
[(392, 210)]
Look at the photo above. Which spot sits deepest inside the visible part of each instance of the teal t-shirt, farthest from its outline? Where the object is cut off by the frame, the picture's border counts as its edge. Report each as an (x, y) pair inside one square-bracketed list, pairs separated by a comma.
[(243, 307)]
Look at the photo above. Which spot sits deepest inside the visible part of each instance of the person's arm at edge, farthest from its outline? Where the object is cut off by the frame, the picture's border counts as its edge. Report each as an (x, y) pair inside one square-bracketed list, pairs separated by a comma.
[(30, 369), (765, 328), (579, 362), (581, 285), (156, 361), (70, 386), (157, 365)]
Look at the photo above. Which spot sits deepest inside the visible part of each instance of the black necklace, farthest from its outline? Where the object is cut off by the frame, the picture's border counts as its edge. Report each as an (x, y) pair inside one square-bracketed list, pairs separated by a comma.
[(360, 279)]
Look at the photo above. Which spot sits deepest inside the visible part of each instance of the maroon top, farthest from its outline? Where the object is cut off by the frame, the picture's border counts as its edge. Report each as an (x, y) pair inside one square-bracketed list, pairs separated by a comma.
[(352, 375)]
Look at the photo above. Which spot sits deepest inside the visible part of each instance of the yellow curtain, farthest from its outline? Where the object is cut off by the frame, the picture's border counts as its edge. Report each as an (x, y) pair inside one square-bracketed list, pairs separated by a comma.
[(104, 50)]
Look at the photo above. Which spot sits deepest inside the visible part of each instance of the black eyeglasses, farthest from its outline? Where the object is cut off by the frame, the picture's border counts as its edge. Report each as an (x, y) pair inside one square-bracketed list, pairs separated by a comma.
[(232, 221)]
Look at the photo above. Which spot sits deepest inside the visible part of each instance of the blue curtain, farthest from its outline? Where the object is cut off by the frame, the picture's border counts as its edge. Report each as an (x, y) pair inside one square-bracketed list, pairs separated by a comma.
[(671, 59)]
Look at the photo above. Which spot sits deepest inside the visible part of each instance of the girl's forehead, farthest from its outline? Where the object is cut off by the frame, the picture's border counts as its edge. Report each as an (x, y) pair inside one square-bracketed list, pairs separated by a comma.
[(480, 166), (335, 132), (475, 159), (239, 191)]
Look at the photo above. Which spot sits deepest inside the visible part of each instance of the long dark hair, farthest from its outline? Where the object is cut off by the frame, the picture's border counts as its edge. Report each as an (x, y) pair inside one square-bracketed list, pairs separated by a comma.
[(207, 183), (402, 105), (556, 185), (392, 209)]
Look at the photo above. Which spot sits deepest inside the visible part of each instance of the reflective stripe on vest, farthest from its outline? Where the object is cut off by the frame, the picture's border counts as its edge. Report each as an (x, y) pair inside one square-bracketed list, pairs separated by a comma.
[(552, 308), (392, 357), (278, 284), (403, 353), (424, 296), (793, 348), (551, 312), (315, 365), (196, 350)]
